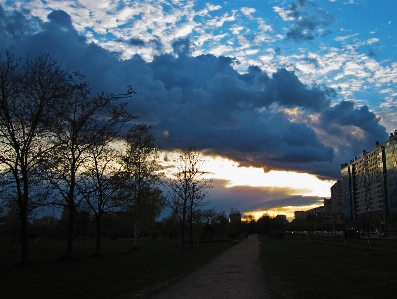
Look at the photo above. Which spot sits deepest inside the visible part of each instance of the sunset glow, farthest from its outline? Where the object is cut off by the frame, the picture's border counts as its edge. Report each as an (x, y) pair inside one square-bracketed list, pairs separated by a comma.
[(297, 183)]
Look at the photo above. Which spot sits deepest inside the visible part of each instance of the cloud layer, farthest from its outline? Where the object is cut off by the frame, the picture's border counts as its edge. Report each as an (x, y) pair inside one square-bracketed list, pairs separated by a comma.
[(273, 121)]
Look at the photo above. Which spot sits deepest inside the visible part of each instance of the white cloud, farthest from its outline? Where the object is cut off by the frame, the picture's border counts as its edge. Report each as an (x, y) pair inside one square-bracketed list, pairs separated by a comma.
[(284, 14), (344, 38), (219, 21), (209, 7), (236, 29), (184, 30), (247, 11), (264, 27), (372, 40)]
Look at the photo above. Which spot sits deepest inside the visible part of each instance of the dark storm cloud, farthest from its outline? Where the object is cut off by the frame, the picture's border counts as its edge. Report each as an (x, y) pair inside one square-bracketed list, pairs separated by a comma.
[(181, 47), (343, 120), (371, 52), (157, 45), (309, 21), (202, 101), (14, 26), (61, 18), (136, 42), (245, 198)]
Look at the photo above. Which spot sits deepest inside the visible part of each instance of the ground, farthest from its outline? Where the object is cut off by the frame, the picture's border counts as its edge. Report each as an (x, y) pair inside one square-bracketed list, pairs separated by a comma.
[(234, 274)]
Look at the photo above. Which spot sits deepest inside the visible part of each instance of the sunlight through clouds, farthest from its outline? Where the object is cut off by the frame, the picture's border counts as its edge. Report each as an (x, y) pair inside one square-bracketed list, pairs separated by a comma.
[(298, 183)]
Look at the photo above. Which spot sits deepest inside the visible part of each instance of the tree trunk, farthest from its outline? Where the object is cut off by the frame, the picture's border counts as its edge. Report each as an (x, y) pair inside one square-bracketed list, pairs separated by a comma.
[(136, 230), (98, 235), (24, 234), (183, 224), (23, 212), (69, 246), (191, 224)]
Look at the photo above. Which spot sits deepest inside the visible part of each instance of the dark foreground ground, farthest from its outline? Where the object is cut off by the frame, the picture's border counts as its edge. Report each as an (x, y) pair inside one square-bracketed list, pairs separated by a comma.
[(234, 274)]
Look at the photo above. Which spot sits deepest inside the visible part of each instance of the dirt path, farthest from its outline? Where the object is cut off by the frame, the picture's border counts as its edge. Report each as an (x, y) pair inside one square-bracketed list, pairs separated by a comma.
[(234, 274)]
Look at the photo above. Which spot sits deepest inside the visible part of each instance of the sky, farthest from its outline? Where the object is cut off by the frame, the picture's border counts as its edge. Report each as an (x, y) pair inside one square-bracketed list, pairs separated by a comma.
[(277, 94)]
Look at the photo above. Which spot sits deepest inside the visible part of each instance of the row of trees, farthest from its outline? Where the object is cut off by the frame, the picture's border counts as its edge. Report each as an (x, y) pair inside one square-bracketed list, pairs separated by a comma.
[(266, 224), (208, 224), (60, 145), (53, 135)]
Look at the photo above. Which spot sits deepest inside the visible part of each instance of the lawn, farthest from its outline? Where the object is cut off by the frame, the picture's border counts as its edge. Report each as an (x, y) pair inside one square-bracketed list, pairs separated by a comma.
[(319, 268), (119, 272)]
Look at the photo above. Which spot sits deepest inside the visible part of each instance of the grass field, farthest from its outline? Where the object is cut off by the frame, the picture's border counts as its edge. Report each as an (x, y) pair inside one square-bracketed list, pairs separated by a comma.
[(117, 273), (317, 267)]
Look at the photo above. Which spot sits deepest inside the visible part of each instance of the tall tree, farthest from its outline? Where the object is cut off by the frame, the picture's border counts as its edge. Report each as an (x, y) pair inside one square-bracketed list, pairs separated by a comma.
[(208, 218), (235, 223), (83, 121), (29, 92), (221, 223), (188, 186), (151, 208), (141, 171), (101, 185)]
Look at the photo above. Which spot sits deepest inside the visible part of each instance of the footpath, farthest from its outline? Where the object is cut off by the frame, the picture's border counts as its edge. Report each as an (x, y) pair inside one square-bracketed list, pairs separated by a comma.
[(234, 274)]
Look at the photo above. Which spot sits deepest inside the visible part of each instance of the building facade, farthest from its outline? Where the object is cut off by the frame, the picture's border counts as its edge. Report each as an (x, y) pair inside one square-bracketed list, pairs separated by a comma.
[(317, 211), (368, 182), (327, 205), (336, 198)]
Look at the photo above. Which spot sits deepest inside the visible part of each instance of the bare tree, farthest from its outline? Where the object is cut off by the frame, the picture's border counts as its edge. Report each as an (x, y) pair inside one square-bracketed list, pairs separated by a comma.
[(188, 187), (84, 121), (205, 217), (101, 185), (29, 92), (141, 171)]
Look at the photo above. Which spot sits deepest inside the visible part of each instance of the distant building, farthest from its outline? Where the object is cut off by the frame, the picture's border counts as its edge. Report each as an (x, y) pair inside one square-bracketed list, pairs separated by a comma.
[(369, 182), (282, 219), (299, 214), (336, 198), (327, 205), (317, 211)]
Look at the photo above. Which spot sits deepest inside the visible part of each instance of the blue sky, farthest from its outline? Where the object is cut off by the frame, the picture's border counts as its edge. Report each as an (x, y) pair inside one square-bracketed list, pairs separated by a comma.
[(281, 86)]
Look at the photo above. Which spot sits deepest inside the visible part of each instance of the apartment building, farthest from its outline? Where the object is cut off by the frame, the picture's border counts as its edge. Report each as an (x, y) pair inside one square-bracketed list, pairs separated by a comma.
[(317, 211), (327, 205), (368, 183), (336, 198)]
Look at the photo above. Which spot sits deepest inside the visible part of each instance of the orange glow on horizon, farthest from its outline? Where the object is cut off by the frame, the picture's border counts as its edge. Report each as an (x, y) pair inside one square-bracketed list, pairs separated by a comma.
[(289, 183), (287, 211)]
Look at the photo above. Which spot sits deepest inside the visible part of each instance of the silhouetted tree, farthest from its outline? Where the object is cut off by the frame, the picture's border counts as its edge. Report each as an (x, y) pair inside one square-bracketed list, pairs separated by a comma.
[(170, 226), (83, 121), (221, 223), (101, 186), (140, 172), (205, 220), (188, 187), (151, 208), (235, 223), (249, 224), (264, 224), (29, 93)]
